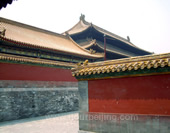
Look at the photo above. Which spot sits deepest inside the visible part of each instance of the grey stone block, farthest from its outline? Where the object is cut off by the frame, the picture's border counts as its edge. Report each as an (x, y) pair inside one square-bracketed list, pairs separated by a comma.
[(83, 96)]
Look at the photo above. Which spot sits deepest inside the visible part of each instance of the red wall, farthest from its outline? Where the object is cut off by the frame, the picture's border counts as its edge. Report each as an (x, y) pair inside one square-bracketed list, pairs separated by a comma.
[(27, 72), (139, 95)]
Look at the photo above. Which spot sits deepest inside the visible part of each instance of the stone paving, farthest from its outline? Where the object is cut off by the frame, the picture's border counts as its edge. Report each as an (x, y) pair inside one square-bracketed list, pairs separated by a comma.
[(59, 123)]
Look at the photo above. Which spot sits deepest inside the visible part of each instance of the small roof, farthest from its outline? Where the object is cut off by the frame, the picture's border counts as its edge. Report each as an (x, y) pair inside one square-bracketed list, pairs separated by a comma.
[(34, 37), (122, 66)]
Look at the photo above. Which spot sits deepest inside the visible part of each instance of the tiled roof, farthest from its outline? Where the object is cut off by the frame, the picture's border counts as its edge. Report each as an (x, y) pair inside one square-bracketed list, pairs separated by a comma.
[(83, 25), (34, 37), (122, 65)]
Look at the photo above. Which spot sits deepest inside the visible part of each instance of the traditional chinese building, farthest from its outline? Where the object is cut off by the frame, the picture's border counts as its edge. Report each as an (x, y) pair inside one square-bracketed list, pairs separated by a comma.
[(125, 95), (91, 37), (35, 76)]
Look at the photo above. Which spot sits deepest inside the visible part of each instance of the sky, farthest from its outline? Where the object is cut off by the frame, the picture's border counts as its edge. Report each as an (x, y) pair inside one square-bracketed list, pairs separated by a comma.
[(146, 22)]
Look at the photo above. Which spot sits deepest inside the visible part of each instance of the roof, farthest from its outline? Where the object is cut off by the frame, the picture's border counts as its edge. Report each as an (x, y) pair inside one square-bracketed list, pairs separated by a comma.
[(83, 25), (122, 66), (83, 32), (19, 33)]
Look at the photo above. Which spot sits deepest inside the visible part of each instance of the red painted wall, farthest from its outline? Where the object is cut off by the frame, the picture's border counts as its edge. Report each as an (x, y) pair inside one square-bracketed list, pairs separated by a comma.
[(10, 71), (134, 95)]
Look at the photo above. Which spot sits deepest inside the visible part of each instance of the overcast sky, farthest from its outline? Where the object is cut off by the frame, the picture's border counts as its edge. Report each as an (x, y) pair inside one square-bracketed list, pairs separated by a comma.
[(147, 22)]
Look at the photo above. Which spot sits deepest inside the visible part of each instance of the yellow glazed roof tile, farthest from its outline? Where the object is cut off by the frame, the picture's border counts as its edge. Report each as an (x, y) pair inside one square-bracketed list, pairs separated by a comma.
[(121, 65)]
